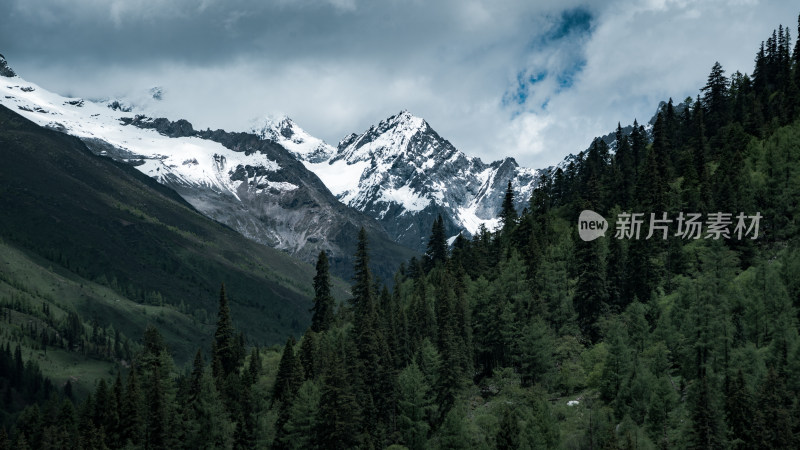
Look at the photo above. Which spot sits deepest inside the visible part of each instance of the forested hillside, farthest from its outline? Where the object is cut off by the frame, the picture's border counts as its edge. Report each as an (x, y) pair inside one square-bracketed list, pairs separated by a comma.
[(528, 336)]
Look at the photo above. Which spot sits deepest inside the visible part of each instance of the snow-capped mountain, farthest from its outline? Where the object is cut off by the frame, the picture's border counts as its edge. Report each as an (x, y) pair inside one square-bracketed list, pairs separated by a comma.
[(253, 185), (403, 173), (293, 138)]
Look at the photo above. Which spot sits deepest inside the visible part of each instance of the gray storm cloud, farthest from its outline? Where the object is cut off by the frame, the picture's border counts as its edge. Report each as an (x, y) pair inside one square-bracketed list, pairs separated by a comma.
[(533, 80)]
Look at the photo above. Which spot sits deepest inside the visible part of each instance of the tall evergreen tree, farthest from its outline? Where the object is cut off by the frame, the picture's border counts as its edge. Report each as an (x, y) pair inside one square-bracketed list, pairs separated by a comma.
[(715, 98), (303, 417), (323, 309), (591, 293), (437, 245), (289, 376), (415, 407), (338, 426), (707, 431), (225, 338), (133, 424), (508, 213), (739, 413)]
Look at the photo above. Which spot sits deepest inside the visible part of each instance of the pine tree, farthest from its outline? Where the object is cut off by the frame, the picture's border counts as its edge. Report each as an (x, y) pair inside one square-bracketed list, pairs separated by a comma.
[(707, 431), (323, 309), (132, 425), (157, 429), (450, 374), (196, 377), (591, 293), (535, 358), (308, 355), (290, 374), (626, 169), (302, 417), (739, 413), (338, 426), (662, 403), (715, 98), (437, 245), (5, 443), (508, 214), (453, 433), (662, 147), (414, 407), (773, 422), (225, 338), (209, 423)]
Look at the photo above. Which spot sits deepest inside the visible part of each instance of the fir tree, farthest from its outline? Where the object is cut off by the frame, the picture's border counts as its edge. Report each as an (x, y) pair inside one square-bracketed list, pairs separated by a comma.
[(508, 214), (322, 311), (302, 417), (209, 423), (226, 350), (133, 425), (715, 98), (707, 429), (338, 426), (290, 374), (157, 427), (414, 407), (437, 245), (739, 413), (591, 293)]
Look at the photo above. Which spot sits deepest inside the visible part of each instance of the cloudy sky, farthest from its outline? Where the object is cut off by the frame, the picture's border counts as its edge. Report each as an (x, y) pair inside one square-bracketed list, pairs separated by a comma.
[(535, 80)]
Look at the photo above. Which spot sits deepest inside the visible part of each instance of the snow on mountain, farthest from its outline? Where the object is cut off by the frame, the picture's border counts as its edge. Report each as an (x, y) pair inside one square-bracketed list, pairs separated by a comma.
[(253, 185), (293, 138), (184, 160), (402, 173)]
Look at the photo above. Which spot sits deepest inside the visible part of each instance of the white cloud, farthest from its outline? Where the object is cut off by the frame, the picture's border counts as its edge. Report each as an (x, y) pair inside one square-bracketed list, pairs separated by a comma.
[(452, 62)]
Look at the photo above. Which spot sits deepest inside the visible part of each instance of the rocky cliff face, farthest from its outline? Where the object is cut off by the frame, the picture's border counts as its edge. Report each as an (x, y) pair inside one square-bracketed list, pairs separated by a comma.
[(252, 185), (5, 71), (403, 173)]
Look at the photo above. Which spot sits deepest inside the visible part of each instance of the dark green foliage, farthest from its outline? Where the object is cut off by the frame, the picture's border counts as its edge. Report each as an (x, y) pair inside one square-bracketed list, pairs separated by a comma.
[(508, 214), (338, 426), (774, 423), (96, 221), (707, 430), (591, 294), (508, 434), (524, 337), (324, 304), (227, 349), (415, 407), (437, 245), (739, 410), (290, 374)]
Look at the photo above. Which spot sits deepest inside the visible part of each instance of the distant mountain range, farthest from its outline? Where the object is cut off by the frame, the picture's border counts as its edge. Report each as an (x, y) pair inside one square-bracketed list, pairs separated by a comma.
[(281, 186), (403, 173)]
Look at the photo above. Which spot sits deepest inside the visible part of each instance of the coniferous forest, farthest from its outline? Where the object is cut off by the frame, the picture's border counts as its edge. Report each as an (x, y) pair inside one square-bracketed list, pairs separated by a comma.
[(524, 337)]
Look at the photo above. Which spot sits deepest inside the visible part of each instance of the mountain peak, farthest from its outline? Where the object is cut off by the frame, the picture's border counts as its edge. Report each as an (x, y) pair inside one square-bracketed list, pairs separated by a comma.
[(392, 137), (5, 71), (284, 131), (407, 120)]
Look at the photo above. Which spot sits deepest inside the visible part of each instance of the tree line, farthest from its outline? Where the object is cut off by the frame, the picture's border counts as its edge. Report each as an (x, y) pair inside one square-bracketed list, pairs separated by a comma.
[(525, 336)]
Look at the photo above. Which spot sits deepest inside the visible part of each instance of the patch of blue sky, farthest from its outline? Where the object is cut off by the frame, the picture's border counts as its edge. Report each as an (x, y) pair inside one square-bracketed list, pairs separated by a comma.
[(564, 38), (519, 95), (566, 78)]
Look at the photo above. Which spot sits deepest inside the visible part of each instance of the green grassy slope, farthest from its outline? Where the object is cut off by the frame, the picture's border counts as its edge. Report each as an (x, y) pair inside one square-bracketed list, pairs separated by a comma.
[(122, 241)]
